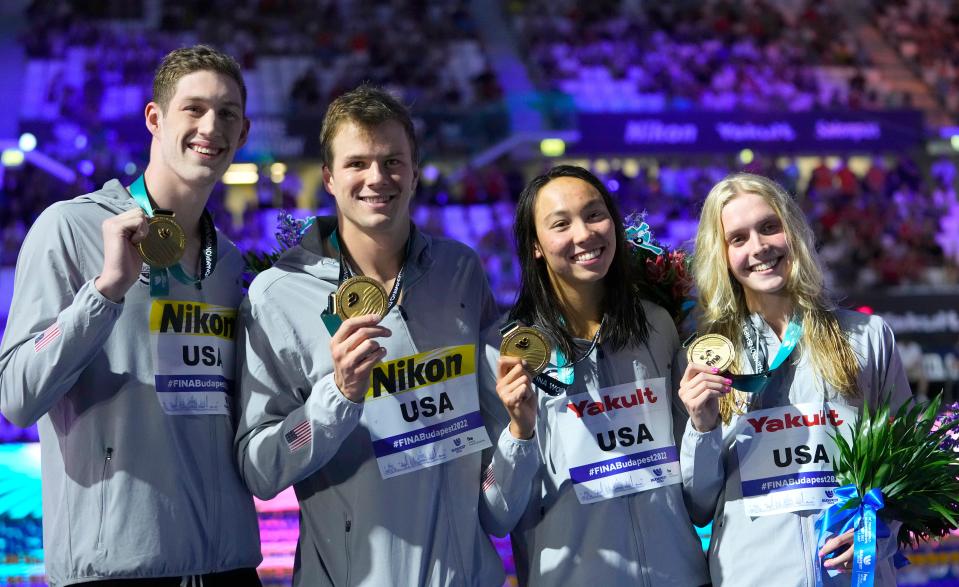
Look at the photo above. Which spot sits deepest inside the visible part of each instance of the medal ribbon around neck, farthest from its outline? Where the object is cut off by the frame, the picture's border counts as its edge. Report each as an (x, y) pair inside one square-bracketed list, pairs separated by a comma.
[(329, 317), (159, 279), (564, 369), (756, 382)]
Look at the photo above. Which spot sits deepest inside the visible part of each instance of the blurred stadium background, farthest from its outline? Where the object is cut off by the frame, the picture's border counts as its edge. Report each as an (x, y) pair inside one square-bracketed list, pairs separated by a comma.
[(852, 104)]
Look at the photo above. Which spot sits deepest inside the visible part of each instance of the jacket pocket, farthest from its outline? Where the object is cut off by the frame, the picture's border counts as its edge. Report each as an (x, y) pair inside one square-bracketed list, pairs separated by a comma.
[(107, 458)]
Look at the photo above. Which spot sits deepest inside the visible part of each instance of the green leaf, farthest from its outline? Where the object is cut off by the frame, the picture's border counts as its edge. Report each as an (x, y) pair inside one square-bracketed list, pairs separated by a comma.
[(901, 456)]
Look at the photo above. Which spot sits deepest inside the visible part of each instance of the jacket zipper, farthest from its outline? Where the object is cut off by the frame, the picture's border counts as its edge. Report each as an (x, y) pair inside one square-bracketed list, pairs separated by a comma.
[(346, 545), (810, 580), (449, 517), (639, 543), (214, 499), (103, 495)]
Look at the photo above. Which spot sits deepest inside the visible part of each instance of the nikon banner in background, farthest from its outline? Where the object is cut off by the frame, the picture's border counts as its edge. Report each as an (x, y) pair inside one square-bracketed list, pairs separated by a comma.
[(720, 132)]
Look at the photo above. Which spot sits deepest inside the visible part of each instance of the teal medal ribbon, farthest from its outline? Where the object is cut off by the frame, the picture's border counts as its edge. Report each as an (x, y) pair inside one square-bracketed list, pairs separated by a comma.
[(330, 319), (757, 382), (563, 368), (160, 277)]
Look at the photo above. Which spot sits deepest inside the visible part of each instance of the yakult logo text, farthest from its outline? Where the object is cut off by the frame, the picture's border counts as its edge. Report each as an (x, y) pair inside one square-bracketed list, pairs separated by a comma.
[(789, 421), (588, 408)]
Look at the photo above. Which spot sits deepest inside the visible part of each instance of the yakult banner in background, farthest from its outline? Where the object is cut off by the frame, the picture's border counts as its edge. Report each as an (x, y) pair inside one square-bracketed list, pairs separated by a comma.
[(717, 132)]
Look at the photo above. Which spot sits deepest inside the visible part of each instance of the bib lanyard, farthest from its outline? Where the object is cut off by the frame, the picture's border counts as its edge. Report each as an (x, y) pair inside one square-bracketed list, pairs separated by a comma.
[(756, 382), (159, 277), (333, 321)]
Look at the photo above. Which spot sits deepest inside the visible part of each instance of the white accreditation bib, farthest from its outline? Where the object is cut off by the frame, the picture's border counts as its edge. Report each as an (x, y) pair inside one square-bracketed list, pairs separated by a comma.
[(785, 457), (423, 410), (619, 440), (193, 353)]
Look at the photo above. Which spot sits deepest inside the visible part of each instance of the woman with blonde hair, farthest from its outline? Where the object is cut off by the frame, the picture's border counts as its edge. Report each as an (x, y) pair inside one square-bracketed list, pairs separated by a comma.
[(756, 451)]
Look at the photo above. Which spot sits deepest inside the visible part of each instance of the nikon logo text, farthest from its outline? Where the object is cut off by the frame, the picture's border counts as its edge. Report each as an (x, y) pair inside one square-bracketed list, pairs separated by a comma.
[(421, 370)]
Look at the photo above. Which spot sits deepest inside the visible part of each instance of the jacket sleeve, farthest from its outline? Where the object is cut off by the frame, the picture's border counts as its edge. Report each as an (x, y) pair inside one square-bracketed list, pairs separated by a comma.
[(665, 331), (58, 321), (510, 465), (700, 459), (890, 382), (701, 462), (288, 427)]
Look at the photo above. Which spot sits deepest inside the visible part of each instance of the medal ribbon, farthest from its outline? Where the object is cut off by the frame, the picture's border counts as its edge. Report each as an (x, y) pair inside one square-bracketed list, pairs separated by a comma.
[(756, 382), (346, 272), (331, 320), (553, 386), (159, 280)]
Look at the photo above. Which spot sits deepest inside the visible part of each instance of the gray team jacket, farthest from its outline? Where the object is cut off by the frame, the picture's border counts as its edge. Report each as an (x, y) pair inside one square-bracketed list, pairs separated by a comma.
[(296, 428), (752, 550), (643, 538), (128, 491)]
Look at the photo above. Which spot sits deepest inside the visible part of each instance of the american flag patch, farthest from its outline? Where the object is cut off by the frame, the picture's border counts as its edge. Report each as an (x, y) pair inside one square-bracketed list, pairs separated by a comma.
[(43, 340), (299, 436), (488, 479)]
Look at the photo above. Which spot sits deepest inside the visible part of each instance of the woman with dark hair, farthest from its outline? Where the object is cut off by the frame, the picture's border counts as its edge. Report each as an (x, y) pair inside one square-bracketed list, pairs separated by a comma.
[(603, 505)]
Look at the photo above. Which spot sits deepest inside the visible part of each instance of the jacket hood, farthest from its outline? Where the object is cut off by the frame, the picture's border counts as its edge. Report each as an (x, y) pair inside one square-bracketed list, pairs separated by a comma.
[(113, 197)]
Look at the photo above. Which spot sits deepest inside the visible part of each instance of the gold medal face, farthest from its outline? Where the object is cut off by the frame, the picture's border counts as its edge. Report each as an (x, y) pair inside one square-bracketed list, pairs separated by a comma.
[(529, 344), (164, 245), (712, 350), (359, 296)]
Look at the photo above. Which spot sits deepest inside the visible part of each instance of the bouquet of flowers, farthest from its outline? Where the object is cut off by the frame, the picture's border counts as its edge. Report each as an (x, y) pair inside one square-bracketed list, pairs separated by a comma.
[(907, 466), (289, 233), (664, 273)]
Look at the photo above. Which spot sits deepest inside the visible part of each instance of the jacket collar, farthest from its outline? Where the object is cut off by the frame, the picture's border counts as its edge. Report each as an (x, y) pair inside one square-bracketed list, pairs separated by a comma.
[(417, 264)]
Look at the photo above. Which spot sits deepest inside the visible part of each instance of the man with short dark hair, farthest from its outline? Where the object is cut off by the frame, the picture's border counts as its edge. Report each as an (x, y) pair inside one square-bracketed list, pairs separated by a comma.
[(120, 345), (358, 380)]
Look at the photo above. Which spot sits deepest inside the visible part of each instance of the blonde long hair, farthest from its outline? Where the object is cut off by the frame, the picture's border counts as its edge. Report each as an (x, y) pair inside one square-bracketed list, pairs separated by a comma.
[(723, 301)]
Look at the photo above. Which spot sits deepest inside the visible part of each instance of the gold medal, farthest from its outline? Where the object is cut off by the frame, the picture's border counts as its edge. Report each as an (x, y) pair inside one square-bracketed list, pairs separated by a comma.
[(359, 296), (712, 350), (164, 245), (528, 344)]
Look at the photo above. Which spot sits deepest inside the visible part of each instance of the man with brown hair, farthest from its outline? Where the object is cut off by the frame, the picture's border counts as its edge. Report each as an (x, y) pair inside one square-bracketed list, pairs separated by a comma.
[(130, 379), (358, 382)]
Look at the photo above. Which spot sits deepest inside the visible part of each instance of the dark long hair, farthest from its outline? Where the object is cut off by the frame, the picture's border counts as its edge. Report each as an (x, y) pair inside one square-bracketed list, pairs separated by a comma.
[(538, 304)]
